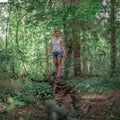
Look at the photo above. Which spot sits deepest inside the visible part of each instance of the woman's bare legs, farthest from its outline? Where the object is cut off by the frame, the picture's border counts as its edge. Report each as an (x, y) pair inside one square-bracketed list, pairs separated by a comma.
[(55, 64), (59, 65)]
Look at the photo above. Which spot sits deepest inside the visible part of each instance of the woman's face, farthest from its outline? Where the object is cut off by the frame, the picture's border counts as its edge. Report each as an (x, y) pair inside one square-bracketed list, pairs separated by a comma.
[(57, 33)]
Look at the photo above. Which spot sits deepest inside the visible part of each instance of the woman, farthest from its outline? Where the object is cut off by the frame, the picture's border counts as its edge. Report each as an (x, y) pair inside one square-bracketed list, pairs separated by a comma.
[(58, 51)]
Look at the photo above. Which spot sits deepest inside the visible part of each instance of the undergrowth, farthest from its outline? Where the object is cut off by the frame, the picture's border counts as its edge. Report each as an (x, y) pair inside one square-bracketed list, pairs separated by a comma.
[(97, 85)]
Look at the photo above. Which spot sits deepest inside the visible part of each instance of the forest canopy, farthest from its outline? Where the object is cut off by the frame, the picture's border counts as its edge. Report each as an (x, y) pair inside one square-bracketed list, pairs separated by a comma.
[(90, 30)]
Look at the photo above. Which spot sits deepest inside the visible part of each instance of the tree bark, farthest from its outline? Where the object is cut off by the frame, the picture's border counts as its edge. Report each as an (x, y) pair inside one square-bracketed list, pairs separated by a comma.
[(66, 62), (76, 43), (7, 27), (76, 50), (112, 40)]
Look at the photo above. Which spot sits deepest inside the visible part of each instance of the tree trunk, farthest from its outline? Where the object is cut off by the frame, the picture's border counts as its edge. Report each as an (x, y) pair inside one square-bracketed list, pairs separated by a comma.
[(76, 50), (7, 27), (76, 43), (47, 59), (112, 40), (66, 63)]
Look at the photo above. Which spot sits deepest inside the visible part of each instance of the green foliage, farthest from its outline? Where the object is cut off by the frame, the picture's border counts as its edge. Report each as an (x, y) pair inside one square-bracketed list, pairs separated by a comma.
[(41, 90), (30, 26), (117, 114), (25, 41), (8, 101), (21, 96), (95, 84), (4, 92)]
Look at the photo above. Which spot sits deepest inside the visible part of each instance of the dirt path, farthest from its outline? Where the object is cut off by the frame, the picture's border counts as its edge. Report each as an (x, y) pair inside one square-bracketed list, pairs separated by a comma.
[(90, 106), (64, 97), (99, 107)]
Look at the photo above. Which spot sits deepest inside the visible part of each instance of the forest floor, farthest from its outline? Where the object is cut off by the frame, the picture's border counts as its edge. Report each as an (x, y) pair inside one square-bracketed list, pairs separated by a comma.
[(91, 107), (100, 107)]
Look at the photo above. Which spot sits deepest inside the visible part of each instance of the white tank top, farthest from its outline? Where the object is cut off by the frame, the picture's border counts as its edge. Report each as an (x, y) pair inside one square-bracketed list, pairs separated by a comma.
[(56, 46)]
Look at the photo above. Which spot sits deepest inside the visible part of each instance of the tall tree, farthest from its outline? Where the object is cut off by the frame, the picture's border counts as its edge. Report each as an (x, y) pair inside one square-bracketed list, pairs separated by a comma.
[(112, 39), (65, 30), (76, 42)]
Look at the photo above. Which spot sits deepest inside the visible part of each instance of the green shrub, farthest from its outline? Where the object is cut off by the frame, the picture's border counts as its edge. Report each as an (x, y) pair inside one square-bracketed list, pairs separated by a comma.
[(41, 90), (96, 85), (117, 114)]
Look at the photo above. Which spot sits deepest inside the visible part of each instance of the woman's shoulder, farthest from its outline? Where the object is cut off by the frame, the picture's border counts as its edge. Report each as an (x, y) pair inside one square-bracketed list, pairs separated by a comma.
[(61, 39)]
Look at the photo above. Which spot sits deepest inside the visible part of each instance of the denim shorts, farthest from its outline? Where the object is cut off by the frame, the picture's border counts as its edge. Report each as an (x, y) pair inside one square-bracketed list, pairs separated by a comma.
[(56, 54)]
